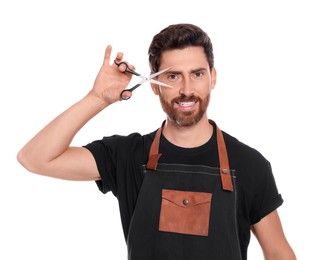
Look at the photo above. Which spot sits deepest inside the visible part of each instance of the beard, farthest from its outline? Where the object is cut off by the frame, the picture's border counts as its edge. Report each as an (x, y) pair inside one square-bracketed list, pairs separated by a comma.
[(185, 118)]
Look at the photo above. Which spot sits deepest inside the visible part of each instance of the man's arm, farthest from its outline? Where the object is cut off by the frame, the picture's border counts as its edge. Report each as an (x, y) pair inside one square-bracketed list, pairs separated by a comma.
[(271, 238), (49, 152)]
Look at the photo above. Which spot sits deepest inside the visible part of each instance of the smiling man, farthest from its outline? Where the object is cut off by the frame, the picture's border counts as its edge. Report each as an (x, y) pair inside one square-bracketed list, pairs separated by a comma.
[(187, 190), (190, 75)]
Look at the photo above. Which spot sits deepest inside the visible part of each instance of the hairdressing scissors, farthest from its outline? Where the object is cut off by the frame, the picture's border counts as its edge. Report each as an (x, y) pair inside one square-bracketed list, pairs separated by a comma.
[(144, 79)]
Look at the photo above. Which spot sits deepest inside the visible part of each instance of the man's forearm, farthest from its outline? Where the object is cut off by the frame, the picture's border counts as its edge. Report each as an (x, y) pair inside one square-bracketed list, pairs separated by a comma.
[(55, 138)]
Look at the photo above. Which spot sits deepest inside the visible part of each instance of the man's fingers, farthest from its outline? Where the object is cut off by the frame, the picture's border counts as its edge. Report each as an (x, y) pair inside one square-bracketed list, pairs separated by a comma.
[(117, 60), (119, 57), (107, 54)]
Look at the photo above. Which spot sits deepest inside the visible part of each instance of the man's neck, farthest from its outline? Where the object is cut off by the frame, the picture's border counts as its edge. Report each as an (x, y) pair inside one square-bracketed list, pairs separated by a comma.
[(189, 136)]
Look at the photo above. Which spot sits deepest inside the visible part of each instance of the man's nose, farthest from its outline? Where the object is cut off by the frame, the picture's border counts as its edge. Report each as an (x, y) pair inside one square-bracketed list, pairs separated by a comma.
[(186, 87)]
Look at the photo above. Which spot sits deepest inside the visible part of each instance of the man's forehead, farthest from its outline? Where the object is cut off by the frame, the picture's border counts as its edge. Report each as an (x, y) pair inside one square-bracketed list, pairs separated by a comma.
[(182, 60)]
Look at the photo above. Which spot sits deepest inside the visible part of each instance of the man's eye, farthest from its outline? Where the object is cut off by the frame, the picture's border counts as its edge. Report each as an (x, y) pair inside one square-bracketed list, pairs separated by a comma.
[(172, 77), (198, 74)]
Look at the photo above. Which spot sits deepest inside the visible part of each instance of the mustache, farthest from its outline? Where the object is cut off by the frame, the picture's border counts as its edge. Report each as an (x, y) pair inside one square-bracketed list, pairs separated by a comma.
[(185, 98)]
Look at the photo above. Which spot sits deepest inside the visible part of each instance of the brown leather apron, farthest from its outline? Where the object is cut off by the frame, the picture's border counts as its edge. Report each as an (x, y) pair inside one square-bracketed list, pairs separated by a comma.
[(185, 211)]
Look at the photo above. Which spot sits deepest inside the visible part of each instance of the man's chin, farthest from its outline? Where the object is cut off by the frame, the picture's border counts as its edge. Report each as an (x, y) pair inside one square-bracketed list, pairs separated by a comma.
[(186, 121)]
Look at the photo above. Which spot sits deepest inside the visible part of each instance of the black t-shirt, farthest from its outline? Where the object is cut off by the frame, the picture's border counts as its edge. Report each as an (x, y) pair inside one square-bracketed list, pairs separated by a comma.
[(120, 158)]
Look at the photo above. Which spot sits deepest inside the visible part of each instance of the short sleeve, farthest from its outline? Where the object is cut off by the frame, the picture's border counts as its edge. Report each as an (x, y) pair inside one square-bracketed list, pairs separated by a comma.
[(104, 152), (114, 156), (266, 197)]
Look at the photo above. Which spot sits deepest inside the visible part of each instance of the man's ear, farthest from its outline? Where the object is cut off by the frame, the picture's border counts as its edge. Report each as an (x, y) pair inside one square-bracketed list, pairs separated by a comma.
[(213, 78), (155, 88)]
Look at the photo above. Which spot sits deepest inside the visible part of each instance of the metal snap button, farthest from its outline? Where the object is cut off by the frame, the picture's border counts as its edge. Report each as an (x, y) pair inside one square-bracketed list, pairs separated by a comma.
[(185, 202), (225, 171)]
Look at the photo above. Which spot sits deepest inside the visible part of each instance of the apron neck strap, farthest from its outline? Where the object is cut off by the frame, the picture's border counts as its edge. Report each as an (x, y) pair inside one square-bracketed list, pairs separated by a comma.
[(222, 152), (225, 175), (154, 151)]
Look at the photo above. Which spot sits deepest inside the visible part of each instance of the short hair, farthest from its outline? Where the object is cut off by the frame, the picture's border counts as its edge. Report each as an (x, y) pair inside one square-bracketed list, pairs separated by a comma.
[(179, 36)]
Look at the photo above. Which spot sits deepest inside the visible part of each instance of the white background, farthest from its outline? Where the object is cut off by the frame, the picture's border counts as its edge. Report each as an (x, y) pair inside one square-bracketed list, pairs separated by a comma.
[(50, 53)]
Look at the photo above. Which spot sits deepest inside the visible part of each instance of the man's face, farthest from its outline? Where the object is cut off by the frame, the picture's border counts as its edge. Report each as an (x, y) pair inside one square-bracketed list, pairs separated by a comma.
[(192, 81)]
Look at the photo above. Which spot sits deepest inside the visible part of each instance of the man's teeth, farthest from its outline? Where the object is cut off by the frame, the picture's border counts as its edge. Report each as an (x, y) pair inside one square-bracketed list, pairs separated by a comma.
[(186, 104)]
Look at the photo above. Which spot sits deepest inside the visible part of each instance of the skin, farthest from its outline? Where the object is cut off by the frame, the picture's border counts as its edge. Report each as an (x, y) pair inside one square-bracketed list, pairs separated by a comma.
[(62, 160), (193, 77)]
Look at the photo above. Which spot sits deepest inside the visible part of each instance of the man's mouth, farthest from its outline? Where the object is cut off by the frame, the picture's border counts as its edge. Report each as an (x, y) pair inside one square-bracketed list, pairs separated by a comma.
[(186, 105)]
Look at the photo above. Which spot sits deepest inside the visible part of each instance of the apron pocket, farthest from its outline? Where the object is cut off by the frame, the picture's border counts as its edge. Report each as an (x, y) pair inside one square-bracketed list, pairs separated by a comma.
[(185, 212)]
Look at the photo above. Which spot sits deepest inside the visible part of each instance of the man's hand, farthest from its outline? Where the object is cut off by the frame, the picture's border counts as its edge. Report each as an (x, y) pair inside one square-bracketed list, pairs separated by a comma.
[(111, 79)]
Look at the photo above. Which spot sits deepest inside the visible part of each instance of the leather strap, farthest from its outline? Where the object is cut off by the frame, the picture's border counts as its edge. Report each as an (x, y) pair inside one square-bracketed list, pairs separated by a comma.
[(154, 151), (223, 162), (222, 152)]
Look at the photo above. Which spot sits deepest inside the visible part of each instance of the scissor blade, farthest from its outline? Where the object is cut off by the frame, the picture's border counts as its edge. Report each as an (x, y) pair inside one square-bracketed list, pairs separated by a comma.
[(157, 73), (159, 83)]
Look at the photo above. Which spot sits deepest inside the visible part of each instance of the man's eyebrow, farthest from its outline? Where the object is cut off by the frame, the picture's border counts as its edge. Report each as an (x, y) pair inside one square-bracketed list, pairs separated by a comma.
[(198, 69), (173, 72), (180, 72)]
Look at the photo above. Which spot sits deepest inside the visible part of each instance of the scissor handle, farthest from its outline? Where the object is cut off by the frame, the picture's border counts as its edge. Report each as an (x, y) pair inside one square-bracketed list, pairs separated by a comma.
[(123, 97), (127, 69)]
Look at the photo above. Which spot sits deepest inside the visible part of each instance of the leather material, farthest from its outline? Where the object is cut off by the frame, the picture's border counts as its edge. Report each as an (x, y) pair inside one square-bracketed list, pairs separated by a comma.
[(185, 212), (224, 162)]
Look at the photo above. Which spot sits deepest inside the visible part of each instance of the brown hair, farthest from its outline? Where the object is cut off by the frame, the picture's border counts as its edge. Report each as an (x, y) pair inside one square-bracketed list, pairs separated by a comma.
[(179, 36)]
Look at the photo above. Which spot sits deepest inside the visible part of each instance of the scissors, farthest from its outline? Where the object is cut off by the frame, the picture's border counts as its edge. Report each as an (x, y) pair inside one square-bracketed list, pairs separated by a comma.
[(144, 79)]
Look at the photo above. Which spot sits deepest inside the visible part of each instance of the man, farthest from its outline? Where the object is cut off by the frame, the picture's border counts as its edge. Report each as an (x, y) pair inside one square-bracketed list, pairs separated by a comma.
[(187, 190)]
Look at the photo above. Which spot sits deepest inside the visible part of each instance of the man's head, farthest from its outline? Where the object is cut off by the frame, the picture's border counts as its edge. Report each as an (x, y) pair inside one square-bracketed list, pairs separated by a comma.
[(179, 36), (187, 51)]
